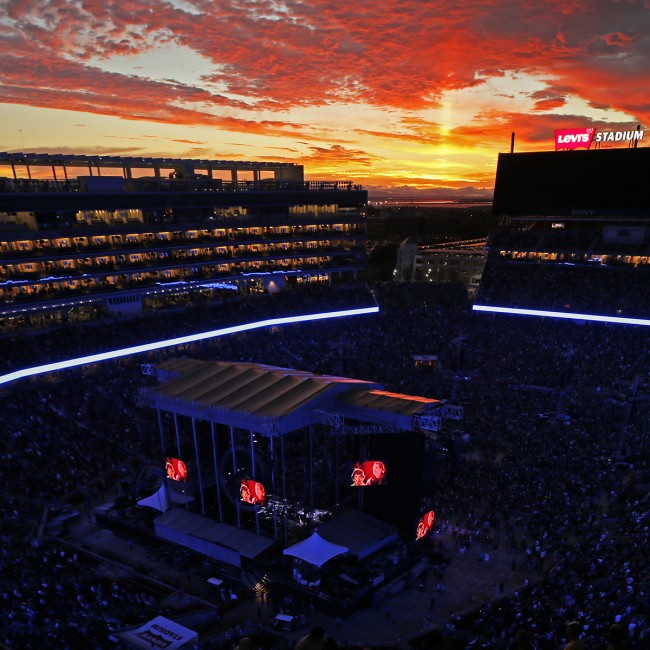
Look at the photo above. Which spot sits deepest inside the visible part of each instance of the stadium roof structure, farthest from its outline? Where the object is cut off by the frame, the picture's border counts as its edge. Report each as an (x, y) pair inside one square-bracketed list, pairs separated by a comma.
[(274, 401), (120, 162)]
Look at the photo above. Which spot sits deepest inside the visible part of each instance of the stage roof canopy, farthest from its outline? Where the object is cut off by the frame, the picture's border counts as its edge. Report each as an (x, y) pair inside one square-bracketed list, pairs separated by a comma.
[(315, 550), (248, 387), (382, 400), (275, 401), (246, 395), (386, 408)]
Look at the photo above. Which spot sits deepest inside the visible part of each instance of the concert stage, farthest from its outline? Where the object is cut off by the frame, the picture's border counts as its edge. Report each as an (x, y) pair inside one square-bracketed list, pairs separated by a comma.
[(302, 481)]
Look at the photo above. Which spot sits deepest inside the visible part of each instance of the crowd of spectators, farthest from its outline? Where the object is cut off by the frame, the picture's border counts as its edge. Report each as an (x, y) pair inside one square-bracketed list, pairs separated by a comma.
[(20, 350), (552, 409), (57, 596), (620, 291)]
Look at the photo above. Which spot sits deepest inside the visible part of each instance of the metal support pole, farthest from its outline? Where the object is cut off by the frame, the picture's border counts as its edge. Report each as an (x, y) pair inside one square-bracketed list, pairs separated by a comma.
[(257, 520), (336, 471), (162, 434), (284, 489), (275, 500), (178, 438), (362, 457), (178, 449), (311, 474), (198, 466), (234, 470), (216, 470)]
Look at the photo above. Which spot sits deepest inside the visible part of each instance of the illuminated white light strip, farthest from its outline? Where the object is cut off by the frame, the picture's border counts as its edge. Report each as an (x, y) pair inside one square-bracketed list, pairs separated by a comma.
[(191, 338), (560, 314)]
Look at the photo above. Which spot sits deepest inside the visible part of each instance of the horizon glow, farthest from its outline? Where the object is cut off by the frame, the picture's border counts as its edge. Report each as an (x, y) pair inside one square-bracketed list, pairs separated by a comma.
[(620, 320), (181, 340)]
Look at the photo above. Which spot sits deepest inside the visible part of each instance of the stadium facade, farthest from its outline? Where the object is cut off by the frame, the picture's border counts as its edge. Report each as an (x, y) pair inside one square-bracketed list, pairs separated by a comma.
[(116, 235), (574, 236)]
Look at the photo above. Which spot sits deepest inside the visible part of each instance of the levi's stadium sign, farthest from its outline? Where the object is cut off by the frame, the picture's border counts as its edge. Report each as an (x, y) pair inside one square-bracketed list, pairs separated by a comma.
[(574, 138)]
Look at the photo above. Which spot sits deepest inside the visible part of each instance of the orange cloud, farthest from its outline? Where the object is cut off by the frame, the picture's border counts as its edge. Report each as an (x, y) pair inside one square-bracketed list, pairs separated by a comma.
[(267, 64), (403, 54), (549, 104)]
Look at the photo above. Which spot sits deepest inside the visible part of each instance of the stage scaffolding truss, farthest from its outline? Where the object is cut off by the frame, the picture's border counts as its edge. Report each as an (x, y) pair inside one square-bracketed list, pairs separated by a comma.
[(428, 421), (452, 411)]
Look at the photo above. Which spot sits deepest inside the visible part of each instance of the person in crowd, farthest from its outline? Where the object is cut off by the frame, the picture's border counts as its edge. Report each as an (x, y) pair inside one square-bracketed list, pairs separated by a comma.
[(312, 641), (573, 631)]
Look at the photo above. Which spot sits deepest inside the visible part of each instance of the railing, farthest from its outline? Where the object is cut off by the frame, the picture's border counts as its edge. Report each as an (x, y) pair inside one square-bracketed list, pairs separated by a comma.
[(152, 184), (161, 258)]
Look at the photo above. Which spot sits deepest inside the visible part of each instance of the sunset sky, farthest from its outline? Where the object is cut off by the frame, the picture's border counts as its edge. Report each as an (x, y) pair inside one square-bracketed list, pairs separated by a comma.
[(419, 93)]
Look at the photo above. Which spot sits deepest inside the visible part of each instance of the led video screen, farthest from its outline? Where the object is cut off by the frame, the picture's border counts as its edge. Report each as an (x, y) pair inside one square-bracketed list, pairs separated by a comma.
[(252, 492), (176, 469), (369, 472), (425, 524)]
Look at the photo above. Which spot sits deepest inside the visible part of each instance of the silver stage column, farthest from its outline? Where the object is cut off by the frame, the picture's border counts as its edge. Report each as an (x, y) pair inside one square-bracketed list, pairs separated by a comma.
[(180, 456), (234, 469), (216, 470), (257, 521), (198, 466), (162, 436), (311, 474), (275, 499), (284, 488)]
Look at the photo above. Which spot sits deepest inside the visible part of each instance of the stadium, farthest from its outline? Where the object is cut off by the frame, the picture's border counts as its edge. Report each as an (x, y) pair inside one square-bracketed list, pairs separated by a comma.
[(257, 461)]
